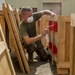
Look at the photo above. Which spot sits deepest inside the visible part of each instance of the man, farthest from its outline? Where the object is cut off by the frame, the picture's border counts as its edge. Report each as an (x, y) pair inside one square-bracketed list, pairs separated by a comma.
[(32, 41)]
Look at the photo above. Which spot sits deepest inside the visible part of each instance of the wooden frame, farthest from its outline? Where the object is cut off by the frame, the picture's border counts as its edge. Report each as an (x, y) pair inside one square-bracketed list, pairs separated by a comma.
[(14, 40), (61, 39), (6, 67), (64, 45), (17, 17), (17, 36)]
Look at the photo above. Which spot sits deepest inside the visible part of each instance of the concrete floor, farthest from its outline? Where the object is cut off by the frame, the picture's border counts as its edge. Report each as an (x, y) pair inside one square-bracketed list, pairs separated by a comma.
[(37, 67)]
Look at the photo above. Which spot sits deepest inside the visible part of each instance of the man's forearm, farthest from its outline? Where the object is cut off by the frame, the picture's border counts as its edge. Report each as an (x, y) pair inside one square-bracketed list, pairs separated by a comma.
[(29, 40), (48, 12)]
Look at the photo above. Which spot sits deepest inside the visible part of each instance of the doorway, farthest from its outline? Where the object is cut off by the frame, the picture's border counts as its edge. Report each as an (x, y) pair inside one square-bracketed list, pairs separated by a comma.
[(55, 7)]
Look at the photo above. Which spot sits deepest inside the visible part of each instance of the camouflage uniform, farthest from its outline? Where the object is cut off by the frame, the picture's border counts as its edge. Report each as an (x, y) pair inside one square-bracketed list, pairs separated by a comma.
[(29, 29)]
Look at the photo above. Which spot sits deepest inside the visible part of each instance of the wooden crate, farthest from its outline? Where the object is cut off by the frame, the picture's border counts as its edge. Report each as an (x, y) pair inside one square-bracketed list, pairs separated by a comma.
[(6, 67), (59, 41)]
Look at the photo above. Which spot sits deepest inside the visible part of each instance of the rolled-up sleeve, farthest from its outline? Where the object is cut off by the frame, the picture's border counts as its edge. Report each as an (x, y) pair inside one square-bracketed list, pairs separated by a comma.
[(37, 15)]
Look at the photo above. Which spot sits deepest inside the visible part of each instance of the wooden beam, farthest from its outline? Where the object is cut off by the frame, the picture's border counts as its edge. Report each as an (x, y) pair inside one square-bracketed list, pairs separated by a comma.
[(62, 71), (63, 64), (16, 11), (1, 12), (72, 45), (61, 41), (65, 18), (2, 47)]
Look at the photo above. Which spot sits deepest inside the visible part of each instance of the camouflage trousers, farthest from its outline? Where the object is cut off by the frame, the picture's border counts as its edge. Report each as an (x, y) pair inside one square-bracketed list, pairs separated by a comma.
[(39, 48)]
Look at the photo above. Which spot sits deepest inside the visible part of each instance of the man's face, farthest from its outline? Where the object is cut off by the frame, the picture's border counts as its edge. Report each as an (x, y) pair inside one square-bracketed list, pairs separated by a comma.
[(27, 15)]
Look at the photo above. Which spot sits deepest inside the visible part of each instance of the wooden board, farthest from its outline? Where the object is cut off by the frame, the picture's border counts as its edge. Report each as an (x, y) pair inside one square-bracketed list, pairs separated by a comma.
[(17, 36), (63, 65), (64, 43), (72, 52), (61, 41), (64, 39), (2, 22), (14, 40), (72, 46), (44, 23), (1, 12), (62, 71), (16, 11), (6, 67), (17, 17)]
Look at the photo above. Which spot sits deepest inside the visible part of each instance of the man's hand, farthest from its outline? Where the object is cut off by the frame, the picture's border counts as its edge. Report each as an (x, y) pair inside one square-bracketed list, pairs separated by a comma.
[(48, 12), (44, 31), (53, 14)]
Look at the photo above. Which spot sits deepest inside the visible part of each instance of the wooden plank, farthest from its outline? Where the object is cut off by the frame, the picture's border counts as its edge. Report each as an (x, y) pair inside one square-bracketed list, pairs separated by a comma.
[(63, 64), (72, 45), (1, 69), (1, 13), (11, 43), (5, 64), (14, 40), (16, 11), (73, 19), (6, 60), (67, 42), (72, 51), (64, 38), (2, 47), (64, 18), (42, 25), (2, 22), (38, 27), (17, 36), (61, 41), (62, 71)]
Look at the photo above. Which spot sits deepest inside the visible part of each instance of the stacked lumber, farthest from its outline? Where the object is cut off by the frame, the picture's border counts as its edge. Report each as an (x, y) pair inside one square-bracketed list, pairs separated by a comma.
[(59, 40), (6, 66), (13, 29)]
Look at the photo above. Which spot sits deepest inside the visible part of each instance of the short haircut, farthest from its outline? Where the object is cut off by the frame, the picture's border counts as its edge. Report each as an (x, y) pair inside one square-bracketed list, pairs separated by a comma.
[(26, 9)]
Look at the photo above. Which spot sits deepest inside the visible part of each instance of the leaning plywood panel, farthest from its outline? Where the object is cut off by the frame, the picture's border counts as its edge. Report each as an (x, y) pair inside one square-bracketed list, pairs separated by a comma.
[(6, 67), (14, 40), (17, 36)]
